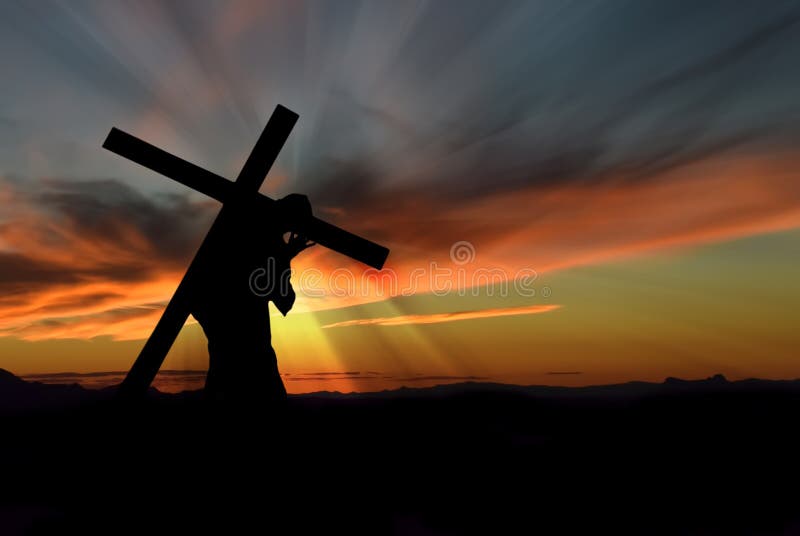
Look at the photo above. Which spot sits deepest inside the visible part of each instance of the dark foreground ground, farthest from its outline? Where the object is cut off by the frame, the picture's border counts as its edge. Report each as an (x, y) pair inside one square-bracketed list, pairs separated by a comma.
[(708, 457)]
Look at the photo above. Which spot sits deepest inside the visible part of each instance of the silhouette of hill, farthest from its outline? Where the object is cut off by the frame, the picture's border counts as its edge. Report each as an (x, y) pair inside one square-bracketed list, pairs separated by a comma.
[(17, 394), (703, 457)]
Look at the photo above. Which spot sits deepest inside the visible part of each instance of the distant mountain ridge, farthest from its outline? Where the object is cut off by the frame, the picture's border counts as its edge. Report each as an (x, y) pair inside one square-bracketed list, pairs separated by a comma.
[(17, 394)]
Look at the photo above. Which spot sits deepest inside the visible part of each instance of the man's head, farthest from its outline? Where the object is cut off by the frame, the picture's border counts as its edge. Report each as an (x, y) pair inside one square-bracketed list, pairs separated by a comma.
[(294, 210)]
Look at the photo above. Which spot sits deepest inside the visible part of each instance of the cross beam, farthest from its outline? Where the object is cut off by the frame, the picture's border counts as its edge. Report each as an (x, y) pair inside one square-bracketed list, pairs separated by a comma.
[(246, 187)]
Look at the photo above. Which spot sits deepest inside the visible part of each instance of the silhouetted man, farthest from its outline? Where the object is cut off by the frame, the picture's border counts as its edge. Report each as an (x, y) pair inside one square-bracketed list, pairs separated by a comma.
[(230, 301)]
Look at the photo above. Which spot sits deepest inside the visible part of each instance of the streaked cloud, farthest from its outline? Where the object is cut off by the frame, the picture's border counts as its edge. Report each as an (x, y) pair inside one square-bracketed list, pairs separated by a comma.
[(82, 260), (437, 318), (422, 378), (552, 227)]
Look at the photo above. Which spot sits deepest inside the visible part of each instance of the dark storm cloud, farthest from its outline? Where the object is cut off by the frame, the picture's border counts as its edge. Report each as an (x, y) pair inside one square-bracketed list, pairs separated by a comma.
[(690, 133), (64, 232), (601, 121), (344, 183), (488, 145), (104, 210), (17, 271), (458, 99), (719, 61)]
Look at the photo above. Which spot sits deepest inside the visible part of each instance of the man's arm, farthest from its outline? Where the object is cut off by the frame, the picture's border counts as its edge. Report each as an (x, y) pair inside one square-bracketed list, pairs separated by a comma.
[(285, 297)]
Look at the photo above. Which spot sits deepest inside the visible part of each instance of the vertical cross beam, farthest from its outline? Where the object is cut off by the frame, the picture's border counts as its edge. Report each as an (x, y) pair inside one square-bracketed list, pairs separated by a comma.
[(250, 178)]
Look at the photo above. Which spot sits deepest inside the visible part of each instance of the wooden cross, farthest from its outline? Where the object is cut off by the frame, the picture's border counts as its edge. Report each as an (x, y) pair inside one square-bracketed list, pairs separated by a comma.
[(239, 195)]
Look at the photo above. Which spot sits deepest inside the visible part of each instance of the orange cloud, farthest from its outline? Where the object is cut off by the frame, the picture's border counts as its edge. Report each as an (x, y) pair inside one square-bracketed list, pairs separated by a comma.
[(539, 229), (438, 318), (108, 270), (80, 260), (123, 311)]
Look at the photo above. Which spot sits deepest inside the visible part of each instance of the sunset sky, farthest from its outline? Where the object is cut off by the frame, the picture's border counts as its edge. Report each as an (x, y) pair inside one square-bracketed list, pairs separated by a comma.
[(573, 192)]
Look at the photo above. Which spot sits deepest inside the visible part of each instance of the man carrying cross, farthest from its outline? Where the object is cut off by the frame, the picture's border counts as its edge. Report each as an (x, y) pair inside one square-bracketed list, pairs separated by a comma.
[(232, 306), (246, 236)]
